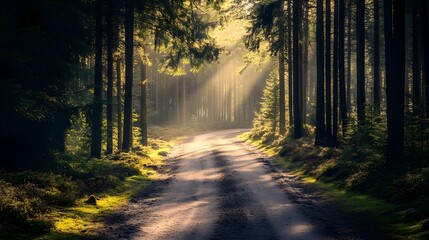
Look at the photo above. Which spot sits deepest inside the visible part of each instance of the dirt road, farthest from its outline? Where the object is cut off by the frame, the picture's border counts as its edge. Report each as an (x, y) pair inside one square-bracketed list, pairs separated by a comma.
[(217, 187)]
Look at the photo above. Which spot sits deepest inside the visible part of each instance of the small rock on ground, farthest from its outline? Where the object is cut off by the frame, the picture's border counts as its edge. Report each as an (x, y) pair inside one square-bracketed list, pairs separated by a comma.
[(91, 200), (162, 153)]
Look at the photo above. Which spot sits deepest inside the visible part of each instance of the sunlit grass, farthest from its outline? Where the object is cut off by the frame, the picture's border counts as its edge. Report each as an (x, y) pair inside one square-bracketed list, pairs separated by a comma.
[(377, 215), (80, 221), (83, 219)]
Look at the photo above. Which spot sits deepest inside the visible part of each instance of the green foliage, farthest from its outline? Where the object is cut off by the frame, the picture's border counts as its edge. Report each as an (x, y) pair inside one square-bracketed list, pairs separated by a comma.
[(181, 32), (78, 137), (357, 167), (28, 197), (265, 123), (416, 138), (264, 17)]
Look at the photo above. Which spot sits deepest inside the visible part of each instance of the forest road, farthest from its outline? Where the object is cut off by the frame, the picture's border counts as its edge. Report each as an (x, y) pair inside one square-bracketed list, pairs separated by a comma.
[(217, 188)]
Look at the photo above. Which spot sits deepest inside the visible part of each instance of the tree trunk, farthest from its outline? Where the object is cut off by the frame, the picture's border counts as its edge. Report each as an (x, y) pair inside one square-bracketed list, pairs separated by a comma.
[(341, 66), (335, 77), (395, 39), (109, 110), (416, 59), (296, 73), (184, 101), (282, 106), (177, 106), (157, 111), (305, 64), (97, 110), (119, 101), (290, 62), (320, 105), (143, 99), (349, 57), (360, 62), (328, 100), (376, 65), (425, 45), (129, 44)]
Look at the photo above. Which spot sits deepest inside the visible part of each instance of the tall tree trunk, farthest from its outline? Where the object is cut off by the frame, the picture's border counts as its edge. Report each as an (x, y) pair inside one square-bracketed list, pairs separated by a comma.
[(349, 56), (320, 104), (305, 63), (335, 77), (416, 59), (143, 99), (425, 45), (129, 44), (156, 96), (177, 105), (290, 62), (360, 62), (376, 65), (282, 107), (97, 110), (119, 101), (341, 66), (395, 39), (296, 73), (184, 101), (328, 90), (109, 110)]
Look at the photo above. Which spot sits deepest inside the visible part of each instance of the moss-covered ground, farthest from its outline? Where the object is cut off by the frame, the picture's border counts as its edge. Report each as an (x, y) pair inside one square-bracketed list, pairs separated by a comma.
[(366, 189)]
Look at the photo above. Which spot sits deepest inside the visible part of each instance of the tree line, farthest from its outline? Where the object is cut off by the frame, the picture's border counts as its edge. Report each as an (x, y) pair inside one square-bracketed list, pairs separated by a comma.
[(345, 61), (62, 58)]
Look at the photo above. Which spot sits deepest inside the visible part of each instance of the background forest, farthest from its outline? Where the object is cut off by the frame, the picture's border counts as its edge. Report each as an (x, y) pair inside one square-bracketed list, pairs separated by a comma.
[(93, 94)]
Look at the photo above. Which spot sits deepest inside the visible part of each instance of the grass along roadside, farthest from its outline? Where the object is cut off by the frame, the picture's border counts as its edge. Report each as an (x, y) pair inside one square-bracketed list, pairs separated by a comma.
[(325, 168), (51, 203), (78, 222)]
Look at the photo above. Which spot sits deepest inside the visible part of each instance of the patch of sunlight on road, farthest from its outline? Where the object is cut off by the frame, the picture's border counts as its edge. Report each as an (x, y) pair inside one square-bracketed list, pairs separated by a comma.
[(300, 229)]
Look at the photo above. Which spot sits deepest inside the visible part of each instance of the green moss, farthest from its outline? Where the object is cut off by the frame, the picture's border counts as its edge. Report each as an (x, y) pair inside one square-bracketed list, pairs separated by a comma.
[(355, 185)]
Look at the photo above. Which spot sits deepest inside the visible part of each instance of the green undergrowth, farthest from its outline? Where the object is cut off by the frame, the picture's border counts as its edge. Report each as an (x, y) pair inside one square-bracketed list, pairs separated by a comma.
[(357, 178), (50, 203)]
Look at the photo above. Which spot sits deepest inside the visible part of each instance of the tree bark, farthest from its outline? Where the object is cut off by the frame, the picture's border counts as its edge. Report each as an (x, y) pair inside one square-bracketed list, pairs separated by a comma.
[(417, 81), (129, 45), (282, 107), (349, 56), (328, 89), (119, 101), (184, 101), (97, 110), (320, 105), (290, 62), (335, 77), (341, 66), (143, 99), (395, 64), (296, 73), (425, 45), (109, 104), (305, 63), (360, 62), (376, 64)]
